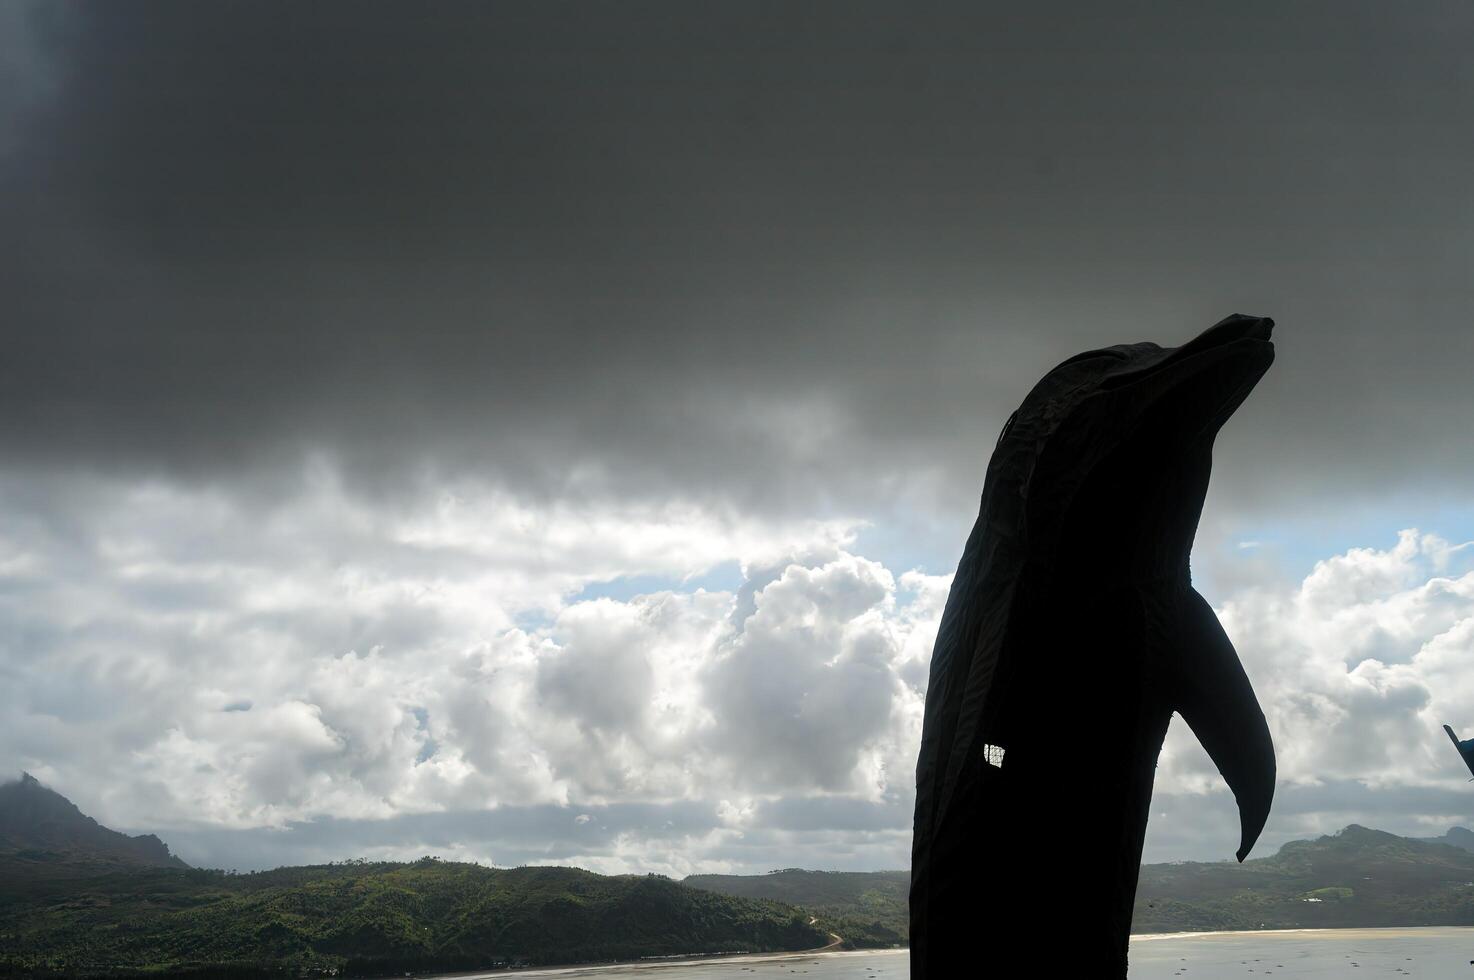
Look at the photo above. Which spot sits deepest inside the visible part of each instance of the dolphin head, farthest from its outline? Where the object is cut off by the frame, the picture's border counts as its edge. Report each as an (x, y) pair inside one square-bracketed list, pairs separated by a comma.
[(1122, 440), (1179, 396)]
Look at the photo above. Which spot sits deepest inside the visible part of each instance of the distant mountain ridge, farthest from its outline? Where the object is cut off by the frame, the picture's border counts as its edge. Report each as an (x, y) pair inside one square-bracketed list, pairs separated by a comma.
[(79, 900), (372, 919), (868, 905), (39, 824), (1461, 837), (1358, 877)]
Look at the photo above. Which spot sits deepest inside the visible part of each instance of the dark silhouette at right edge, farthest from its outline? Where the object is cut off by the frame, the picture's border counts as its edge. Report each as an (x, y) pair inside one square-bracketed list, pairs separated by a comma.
[(1466, 750), (1070, 636)]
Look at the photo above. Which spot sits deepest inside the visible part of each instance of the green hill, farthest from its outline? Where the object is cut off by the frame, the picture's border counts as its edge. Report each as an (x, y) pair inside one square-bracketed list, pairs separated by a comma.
[(1358, 877), (868, 908), (374, 919), (77, 899)]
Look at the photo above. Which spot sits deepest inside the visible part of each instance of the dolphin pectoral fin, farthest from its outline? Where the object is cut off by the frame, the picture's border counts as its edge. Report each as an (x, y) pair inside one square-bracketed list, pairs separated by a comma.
[(1214, 697)]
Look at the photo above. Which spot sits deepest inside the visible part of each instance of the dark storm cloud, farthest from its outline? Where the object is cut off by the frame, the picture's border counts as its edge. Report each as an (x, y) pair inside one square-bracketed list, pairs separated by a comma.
[(791, 256)]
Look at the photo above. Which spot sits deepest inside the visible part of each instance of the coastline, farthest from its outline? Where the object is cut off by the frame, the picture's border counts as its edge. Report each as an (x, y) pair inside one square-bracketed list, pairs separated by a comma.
[(631, 966), (1342, 933), (592, 969)]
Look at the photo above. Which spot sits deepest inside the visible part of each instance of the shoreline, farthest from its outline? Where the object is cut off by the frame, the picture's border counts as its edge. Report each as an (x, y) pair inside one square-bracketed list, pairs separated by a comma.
[(695, 959), (1322, 931), (627, 966)]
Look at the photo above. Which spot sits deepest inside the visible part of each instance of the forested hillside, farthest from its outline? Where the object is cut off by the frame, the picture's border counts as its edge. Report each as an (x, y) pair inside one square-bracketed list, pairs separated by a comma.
[(372, 919)]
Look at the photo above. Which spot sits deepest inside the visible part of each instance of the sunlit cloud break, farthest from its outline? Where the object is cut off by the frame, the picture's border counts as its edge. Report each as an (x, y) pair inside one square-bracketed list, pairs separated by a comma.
[(328, 675)]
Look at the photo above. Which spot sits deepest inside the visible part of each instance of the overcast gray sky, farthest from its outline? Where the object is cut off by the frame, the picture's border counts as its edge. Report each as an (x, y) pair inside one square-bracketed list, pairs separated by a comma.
[(544, 432)]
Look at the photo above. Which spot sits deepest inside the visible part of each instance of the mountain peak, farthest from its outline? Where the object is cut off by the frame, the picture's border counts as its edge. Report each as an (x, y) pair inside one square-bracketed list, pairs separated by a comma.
[(1460, 837), (1356, 831), (39, 824)]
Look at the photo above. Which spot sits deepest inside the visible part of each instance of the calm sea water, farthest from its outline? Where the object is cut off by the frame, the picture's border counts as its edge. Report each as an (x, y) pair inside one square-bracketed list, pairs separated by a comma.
[(1353, 954), (886, 965), (1428, 954)]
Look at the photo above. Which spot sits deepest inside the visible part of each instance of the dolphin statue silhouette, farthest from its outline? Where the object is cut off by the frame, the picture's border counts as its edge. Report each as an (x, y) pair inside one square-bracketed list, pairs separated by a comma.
[(1071, 634), (1466, 750)]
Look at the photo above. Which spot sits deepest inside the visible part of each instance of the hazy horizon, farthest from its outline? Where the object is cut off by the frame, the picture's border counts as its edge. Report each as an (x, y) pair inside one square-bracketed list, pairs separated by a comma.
[(332, 834)]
